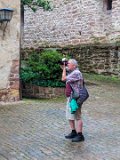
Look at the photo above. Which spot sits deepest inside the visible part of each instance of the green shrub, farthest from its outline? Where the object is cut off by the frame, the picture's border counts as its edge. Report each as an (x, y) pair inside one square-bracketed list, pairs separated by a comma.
[(42, 69)]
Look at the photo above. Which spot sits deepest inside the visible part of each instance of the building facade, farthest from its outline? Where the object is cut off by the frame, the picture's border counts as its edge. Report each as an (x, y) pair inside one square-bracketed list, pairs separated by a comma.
[(73, 22), (10, 54), (89, 29)]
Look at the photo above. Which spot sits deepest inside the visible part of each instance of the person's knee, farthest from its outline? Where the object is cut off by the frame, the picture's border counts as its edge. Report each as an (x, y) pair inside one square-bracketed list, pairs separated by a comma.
[(79, 121), (78, 117)]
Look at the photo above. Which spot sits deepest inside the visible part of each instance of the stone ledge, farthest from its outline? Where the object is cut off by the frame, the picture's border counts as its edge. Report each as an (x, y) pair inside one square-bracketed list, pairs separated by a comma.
[(33, 91)]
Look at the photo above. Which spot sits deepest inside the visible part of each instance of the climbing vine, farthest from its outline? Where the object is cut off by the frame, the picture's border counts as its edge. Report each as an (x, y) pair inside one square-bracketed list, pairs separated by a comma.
[(33, 4)]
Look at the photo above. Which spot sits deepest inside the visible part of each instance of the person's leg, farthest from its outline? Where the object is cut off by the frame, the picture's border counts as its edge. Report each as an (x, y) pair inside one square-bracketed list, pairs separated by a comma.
[(79, 127), (72, 124), (73, 132), (79, 123), (71, 118)]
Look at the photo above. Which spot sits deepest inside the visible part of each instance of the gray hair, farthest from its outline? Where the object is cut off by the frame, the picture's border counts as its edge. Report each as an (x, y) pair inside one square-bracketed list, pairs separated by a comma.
[(73, 61)]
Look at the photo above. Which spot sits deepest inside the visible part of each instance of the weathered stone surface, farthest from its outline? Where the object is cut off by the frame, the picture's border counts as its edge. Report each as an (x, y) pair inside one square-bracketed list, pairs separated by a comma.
[(33, 91), (71, 23), (9, 50)]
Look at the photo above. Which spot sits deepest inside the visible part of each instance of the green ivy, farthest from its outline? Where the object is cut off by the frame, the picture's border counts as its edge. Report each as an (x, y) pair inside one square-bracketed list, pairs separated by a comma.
[(34, 3)]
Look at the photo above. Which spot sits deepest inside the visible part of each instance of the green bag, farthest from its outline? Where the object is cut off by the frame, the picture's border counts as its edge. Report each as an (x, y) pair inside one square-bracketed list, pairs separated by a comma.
[(73, 106)]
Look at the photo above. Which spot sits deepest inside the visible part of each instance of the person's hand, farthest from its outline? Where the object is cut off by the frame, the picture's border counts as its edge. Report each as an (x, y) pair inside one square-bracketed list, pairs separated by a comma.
[(62, 66), (64, 73)]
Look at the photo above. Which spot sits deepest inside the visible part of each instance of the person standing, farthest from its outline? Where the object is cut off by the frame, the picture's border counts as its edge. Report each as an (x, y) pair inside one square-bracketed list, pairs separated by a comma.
[(75, 121)]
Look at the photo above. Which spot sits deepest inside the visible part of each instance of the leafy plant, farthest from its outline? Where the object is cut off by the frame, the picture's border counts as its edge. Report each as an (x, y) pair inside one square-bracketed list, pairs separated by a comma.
[(33, 4), (42, 69)]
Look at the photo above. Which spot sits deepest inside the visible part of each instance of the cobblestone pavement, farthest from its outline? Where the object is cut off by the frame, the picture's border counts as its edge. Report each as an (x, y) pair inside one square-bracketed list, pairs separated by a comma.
[(34, 130)]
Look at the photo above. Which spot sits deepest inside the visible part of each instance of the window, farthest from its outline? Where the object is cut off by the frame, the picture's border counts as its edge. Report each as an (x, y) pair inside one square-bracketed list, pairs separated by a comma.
[(109, 4)]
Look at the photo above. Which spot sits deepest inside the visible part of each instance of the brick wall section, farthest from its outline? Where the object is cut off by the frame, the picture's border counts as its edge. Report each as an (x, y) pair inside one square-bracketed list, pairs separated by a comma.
[(97, 59), (71, 23), (14, 81), (33, 91), (12, 92)]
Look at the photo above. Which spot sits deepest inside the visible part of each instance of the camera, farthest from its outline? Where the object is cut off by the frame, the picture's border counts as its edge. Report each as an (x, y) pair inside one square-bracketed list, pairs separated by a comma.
[(63, 61)]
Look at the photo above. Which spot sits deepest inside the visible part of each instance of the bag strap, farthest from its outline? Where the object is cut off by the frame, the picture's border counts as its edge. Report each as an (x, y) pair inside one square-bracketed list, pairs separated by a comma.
[(71, 87), (81, 83)]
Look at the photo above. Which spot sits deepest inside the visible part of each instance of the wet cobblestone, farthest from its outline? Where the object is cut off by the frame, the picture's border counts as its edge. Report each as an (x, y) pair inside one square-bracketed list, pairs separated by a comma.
[(34, 130)]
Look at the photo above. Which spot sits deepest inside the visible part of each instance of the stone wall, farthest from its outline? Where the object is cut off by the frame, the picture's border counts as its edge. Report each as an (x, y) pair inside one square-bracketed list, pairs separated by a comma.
[(10, 49), (32, 91), (84, 27), (96, 59), (72, 22)]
